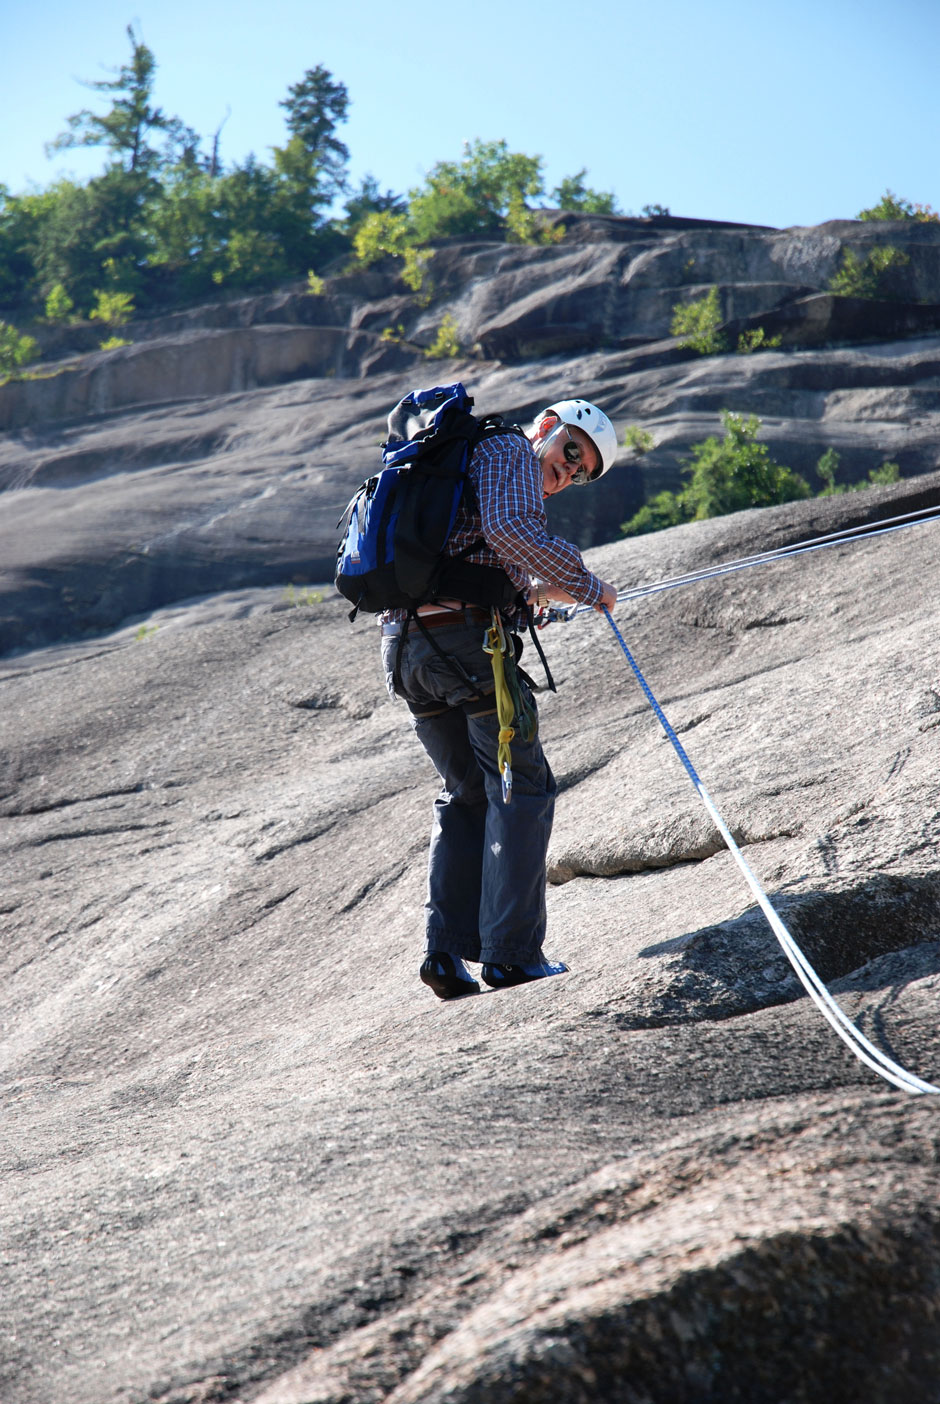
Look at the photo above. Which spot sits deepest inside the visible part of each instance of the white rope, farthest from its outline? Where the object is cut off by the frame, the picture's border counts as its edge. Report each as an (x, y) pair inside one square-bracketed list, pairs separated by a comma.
[(856, 1041), (816, 543)]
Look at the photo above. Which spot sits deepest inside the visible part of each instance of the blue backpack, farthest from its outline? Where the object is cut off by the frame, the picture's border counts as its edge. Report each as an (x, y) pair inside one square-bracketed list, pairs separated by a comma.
[(391, 555)]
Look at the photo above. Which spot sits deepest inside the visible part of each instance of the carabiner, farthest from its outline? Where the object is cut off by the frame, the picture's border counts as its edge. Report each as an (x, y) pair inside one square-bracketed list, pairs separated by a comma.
[(506, 777)]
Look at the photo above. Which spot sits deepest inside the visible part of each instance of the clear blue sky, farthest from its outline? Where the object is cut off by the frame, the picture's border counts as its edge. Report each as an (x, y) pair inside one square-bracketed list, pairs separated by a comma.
[(727, 109)]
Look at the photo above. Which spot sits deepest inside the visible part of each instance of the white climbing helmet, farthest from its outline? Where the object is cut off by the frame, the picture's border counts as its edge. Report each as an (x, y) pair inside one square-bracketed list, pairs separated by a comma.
[(595, 424)]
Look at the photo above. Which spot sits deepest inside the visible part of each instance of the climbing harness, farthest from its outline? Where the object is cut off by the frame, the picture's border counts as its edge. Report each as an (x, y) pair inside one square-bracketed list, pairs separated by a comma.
[(847, 1031)]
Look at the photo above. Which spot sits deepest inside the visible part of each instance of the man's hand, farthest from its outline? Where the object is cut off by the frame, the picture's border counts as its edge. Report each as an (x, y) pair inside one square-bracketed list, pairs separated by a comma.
[(558, 596), (608, 599)]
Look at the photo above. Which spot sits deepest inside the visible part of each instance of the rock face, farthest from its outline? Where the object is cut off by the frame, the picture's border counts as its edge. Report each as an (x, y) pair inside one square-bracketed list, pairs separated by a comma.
[(218, 451), (247, 1156)]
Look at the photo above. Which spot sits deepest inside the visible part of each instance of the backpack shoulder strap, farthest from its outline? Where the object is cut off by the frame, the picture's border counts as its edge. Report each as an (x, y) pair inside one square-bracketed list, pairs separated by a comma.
[(492, 424)]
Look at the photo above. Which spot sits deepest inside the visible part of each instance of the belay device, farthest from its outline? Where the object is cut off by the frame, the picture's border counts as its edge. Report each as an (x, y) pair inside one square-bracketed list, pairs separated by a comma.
[(392, 554)]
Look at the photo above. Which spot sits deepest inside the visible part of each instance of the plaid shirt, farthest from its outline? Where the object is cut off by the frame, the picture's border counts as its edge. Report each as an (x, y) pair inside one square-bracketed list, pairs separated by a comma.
[(510, 516)]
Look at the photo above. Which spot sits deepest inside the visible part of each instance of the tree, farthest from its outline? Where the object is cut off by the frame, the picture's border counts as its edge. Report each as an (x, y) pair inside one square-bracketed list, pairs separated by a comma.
[(315, 106), (72, 231), (380, 233), (112, 308), (475, 194), (127, 127), (573, 194), (105, 221), (827, 466), (892, 206), (15, 350), (664, 510), (17, 235), (368, 200), (865, 277), (735, 472), (726, 475), (446, 343), (58, 305), (697, 324), (187, 230)]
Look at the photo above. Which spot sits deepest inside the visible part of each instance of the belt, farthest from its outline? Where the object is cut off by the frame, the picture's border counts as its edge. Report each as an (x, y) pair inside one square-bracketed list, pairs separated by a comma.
[(438, 619)]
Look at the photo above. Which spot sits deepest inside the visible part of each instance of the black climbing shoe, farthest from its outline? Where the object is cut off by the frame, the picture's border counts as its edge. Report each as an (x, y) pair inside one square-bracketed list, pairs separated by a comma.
[(501, 976), (440, 972)]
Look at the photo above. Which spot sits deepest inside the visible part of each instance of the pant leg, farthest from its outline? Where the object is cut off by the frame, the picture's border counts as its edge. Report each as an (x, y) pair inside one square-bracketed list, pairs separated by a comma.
[(486, 870), (512, 903), (458, 831)]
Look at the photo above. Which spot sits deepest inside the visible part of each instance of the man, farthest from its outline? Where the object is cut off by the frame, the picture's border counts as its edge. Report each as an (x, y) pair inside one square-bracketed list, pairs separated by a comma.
[(486, 867)]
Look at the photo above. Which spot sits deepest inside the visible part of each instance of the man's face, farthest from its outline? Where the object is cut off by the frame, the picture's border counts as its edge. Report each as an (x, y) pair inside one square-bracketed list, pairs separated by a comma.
[(549, 442)]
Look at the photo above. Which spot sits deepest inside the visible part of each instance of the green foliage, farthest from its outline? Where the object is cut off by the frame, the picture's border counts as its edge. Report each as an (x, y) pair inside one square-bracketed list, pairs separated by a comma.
[(381, 232), (756, 339), (852, 279), (574, 194), (298, 191), (188, 232), (367, 200), (112, 342), (315, 284), (58, 305), (697, 324), (857, 277), (666, 509), (725, 475), (68, 233), (304, 597), (17, 235), (445, 343), (127, 127), (638, 439), (386, 232), (473, 195), (166, 223), (112, 308), (655, 211), (414, 274), (315, 106), (828, 464), (730, 474), (525, 226), (891, 206), (16, 350)]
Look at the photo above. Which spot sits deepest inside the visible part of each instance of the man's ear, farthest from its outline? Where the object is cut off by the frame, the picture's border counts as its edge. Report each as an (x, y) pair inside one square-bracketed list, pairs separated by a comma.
[(545, 427)]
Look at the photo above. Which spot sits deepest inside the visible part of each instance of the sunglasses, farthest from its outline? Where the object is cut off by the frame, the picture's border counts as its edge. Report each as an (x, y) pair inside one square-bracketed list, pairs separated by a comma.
[(574, 453)]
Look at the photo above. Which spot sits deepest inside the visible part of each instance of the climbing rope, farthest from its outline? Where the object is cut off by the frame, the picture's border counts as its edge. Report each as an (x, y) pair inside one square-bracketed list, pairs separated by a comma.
[(853, 1037), (816, 543)]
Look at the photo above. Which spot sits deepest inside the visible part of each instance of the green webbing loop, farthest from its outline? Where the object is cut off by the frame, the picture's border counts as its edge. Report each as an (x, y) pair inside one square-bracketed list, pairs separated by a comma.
[(495, 644)]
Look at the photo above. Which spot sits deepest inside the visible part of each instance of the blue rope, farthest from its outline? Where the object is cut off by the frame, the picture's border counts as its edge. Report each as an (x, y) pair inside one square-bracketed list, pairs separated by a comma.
[(660, 714)]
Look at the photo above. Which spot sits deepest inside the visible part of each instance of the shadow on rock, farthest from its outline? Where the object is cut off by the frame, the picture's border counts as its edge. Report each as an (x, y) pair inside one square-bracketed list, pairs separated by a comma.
[(737, 966)]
